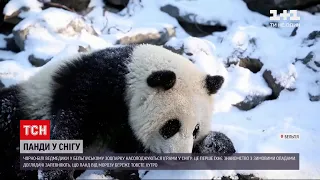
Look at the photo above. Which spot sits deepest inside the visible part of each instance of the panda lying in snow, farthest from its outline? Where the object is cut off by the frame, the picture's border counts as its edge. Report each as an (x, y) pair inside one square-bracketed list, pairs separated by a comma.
[(140, 98)]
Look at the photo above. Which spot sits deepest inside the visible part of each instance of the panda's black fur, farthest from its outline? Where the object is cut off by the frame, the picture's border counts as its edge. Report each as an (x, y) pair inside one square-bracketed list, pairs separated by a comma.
[(75, 110), (84, 93), (10, 115), (104, 97)]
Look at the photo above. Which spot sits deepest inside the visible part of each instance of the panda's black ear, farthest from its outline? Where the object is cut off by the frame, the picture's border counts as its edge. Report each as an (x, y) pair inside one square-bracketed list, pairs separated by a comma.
[(162, 79), (213, 83)]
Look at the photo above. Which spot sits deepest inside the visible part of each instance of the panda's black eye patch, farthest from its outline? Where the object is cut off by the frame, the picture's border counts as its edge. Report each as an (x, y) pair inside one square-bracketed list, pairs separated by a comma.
[(214, 83), (196, 131), (170, 128)]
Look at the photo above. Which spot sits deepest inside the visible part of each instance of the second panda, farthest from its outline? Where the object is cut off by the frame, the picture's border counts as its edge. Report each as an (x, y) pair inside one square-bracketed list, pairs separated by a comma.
[(140, 98)]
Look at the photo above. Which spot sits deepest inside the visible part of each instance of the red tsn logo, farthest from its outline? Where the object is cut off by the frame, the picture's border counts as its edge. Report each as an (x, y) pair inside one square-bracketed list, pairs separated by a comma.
[(34, 129)]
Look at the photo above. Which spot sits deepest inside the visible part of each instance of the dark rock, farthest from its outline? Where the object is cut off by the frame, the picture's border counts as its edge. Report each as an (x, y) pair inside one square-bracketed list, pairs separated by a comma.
[(117, 5), (254, 65), (189, 54), (84, 49), (250, 102), (117, 2), (174, 12), (253, 42), (312, 38), (264, 6), (14, 17), (37, 62), (314, 97), (294, 32), (112, 9), (20, 36), (11, 45), (314, 35), (271, 81), (158, 38), (242, 177), (310, 62), (306, 59), (198, 30), (190, 25), (2, 5), (146, 172), (313, 9), (261, 6), (178, 50), (189, 17), (238, 57), (6, 28), (215, 142), (247, 176), (76, 5)]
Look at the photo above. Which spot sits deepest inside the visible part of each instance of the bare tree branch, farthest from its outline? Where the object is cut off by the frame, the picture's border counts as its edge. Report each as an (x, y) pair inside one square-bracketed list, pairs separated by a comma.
[(57, 5)]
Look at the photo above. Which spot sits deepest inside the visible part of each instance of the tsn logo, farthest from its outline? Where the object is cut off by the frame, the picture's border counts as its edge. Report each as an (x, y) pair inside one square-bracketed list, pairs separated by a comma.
[(34, 129)]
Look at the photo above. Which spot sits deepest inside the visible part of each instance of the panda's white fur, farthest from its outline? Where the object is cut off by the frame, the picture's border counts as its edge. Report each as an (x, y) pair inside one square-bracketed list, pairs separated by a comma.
[(149, 108), (187, 100), (138, 109)]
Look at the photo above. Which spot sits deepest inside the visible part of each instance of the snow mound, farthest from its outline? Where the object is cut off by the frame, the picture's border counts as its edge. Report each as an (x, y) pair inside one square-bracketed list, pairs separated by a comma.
[(13, 6)]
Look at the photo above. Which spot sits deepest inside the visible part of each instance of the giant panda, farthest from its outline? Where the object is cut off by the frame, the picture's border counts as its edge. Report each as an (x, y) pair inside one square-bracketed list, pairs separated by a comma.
[(127, 99)]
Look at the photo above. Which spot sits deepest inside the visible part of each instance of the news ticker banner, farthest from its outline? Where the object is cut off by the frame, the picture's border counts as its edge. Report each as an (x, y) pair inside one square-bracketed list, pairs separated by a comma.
[(239, 161), (38, 151)]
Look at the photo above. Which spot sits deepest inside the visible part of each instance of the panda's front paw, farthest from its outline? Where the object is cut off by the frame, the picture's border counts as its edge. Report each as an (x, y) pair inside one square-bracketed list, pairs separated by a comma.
[(215, 142)]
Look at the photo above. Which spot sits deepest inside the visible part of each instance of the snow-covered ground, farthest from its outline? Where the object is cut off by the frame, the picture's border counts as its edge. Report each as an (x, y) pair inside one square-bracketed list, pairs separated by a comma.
[(256, 130)]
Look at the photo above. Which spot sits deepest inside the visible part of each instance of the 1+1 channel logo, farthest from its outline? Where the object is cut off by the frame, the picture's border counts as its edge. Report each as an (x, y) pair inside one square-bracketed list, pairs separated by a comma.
[(285, 19)]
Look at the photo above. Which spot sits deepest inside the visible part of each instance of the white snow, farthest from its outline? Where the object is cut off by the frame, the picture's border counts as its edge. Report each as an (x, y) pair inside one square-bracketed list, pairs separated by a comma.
[(3, 43), (96, 3), (134, 19), (256, 130), (4, 55), (48, 33), (54, 19), (13, 6), (12, 72)]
